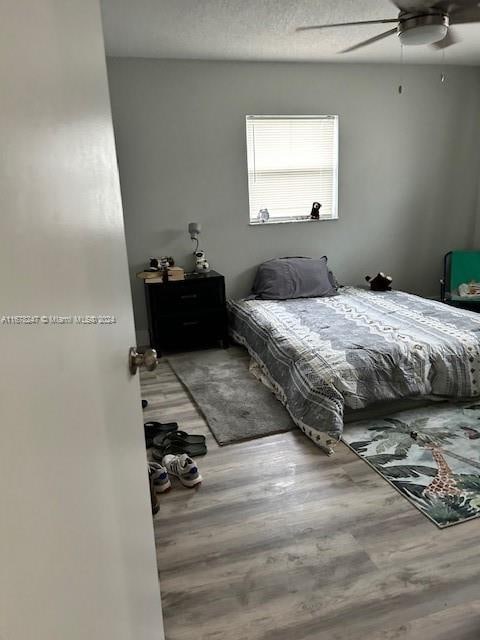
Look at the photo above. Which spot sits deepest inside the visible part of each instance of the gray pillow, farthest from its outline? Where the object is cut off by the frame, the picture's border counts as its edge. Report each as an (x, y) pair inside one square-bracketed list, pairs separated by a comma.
[(283, 278)]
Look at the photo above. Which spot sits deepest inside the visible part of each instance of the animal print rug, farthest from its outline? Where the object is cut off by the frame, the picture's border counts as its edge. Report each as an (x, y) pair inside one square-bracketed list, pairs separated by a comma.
[(431, 455)]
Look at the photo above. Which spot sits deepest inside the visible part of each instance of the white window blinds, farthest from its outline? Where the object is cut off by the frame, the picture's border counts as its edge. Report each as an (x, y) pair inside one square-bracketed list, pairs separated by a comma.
[(292, 162)]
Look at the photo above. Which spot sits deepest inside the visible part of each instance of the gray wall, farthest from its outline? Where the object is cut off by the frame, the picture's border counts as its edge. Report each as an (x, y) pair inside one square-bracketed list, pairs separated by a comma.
[(408, 176)]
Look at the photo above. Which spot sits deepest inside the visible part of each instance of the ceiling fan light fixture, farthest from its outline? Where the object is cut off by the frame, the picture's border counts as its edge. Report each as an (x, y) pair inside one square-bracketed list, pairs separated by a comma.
[(423, 29)]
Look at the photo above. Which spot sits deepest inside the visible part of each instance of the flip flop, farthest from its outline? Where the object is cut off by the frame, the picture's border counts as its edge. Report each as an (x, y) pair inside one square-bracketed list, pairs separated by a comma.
[(192, 450), (187, 438), (154, 429), (193, 446), (180, 438)]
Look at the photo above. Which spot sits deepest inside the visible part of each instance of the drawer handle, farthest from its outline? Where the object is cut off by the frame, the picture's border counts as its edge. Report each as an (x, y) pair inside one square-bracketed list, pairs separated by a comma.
[(189, 296), (190, 323)]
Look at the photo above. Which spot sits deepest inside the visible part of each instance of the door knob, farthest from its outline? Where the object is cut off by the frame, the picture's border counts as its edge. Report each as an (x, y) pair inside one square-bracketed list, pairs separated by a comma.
[(147, 359)]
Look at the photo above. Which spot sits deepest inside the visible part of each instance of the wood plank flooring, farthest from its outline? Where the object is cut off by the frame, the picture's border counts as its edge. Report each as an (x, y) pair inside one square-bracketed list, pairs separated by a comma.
[(281, 542)]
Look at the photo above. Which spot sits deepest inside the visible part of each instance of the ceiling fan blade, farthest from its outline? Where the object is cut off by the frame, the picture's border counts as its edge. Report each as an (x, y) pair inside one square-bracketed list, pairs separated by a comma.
[(381, 36), (345, 24), (447, 41), (465, 16)]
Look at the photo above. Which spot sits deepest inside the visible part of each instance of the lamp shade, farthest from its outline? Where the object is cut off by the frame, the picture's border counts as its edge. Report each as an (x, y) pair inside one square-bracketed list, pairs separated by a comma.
[(194, 229)]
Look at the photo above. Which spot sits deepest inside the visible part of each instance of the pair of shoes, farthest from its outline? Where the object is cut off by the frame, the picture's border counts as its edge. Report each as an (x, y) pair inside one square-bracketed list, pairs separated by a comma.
[(182, 467), (154, 429), (178, 442)]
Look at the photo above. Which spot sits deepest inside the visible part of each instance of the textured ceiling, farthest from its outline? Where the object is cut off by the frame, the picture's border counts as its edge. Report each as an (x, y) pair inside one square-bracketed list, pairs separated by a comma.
[(264, 30)]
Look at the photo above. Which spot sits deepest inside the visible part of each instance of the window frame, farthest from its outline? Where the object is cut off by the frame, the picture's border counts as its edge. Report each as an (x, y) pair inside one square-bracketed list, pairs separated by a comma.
[(306, 217)]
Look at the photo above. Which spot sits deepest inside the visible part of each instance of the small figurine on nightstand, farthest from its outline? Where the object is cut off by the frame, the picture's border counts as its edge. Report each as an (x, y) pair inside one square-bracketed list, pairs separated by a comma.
[(201, 264), (159, 264)]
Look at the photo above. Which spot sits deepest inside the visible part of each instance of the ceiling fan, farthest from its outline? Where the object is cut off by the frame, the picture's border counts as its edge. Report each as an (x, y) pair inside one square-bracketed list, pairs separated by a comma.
[(419, 22)]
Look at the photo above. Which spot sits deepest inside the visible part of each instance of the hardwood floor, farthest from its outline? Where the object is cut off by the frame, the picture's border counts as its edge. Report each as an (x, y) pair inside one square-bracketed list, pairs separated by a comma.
[(281, 542)]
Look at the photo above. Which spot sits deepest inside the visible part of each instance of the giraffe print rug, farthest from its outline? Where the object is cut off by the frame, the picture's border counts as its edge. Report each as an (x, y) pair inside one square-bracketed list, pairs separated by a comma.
[(430, 455)]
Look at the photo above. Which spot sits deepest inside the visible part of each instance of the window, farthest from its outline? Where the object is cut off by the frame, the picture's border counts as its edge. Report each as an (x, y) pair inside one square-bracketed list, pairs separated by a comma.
[(292, 163)]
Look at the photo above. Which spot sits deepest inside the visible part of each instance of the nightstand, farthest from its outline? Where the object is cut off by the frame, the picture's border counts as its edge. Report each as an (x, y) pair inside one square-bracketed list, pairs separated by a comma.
[(187, 314)]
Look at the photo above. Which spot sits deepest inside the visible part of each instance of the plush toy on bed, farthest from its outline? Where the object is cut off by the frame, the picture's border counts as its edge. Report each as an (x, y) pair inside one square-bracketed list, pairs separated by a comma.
[(380, 282)]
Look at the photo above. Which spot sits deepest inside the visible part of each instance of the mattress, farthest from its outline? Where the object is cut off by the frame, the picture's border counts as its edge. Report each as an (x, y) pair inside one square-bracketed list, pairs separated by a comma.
[(325, 357)]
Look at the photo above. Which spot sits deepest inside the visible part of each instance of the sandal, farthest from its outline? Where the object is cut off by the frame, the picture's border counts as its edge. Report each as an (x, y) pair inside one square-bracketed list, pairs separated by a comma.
[(192, 450), (180, 438), (198, 450), (154, 429), (178, 443), (187, 438)]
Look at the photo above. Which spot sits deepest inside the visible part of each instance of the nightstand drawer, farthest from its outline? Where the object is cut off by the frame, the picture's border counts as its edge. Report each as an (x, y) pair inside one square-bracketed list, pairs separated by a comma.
[(174, 330), (186, 295)]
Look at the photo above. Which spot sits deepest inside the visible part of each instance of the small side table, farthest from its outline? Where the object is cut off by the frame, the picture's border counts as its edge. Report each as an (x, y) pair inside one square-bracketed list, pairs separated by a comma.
[(187, 314)]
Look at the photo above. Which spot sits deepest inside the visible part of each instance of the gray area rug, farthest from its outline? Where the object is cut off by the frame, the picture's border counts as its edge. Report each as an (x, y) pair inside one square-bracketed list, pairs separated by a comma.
[(234, 403)]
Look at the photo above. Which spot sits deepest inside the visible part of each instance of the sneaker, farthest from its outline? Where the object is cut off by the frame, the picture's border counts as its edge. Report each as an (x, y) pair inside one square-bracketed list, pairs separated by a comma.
[(184, 468), (159, 476)]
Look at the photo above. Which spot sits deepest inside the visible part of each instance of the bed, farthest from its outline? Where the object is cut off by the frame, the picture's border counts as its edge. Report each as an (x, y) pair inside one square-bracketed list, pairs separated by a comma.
[(329, 356)]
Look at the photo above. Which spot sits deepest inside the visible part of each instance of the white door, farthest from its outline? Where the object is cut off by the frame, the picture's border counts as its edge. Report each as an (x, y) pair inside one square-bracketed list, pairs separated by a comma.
[(77, 555)]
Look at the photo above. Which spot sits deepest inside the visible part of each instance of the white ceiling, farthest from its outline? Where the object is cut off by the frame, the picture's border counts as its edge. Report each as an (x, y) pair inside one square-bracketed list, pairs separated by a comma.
[(264, 30)]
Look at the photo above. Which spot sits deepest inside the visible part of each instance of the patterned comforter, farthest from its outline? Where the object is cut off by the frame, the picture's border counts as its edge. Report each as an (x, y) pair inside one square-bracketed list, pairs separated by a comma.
[(324, 354)]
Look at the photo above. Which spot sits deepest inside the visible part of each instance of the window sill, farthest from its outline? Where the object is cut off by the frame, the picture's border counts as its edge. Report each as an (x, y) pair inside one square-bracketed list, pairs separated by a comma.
[(270, 222)]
